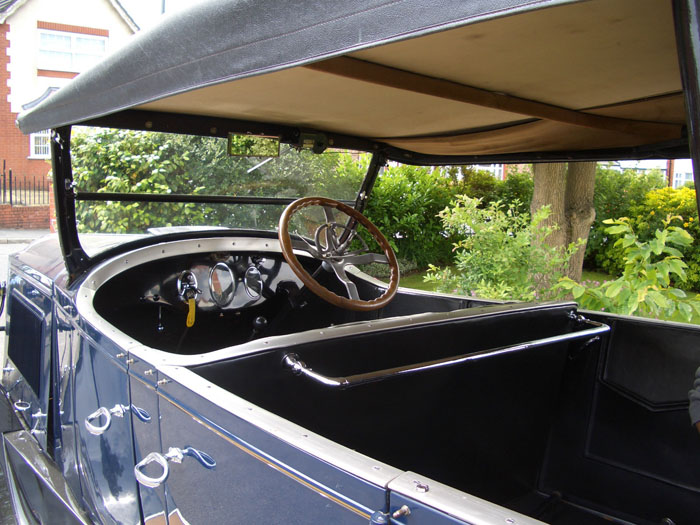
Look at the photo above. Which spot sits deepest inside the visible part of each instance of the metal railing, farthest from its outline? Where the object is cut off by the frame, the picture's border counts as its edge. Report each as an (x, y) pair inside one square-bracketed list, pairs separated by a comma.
[(23, 191)]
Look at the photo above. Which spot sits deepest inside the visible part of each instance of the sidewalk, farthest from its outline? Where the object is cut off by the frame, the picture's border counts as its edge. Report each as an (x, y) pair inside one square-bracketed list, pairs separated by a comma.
[(8, 236)]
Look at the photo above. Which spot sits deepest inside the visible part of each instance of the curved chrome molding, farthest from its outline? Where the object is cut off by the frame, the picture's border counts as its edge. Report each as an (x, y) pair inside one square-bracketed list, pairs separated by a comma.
[(109, 269)]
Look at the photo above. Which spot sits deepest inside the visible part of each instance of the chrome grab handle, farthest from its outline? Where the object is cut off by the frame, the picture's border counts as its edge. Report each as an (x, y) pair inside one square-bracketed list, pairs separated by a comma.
[(174, 454), (147, 481), (298, 367), (118, 411), (22, 406)]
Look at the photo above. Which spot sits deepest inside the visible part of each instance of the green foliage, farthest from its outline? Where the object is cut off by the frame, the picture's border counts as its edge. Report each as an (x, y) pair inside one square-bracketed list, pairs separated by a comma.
[(479, 184), (498, 256), (645, 287), (404, 205), (647, 215), (516, 189), (406, 200), (138, 162), (615, 195), (131, 162)]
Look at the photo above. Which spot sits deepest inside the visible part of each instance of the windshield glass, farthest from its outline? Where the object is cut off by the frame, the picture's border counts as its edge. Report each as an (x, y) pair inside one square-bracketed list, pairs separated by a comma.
[(109, 161)]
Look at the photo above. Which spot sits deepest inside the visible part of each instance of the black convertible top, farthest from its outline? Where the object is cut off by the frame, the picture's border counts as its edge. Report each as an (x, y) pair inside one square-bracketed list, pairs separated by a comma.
[(455, 79)]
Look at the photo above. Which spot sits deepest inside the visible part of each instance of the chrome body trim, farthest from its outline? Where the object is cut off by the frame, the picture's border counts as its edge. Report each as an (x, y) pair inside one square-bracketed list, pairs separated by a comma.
[(298, 367), (463, 506), (45, 471), (109, 269), (173, 366)]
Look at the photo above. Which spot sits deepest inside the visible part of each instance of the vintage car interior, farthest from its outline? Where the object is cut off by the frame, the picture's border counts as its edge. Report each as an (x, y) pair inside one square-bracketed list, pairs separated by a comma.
[(239, 366)]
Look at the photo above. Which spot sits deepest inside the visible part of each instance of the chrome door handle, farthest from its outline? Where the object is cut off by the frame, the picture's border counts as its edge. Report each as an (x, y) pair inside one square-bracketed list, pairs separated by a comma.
[(97, 430), (147, 481), (22, 406), (174, 454)]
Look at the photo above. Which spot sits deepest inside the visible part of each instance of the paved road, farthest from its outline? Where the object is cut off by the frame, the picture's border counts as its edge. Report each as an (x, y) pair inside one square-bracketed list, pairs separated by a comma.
[(6, 514)]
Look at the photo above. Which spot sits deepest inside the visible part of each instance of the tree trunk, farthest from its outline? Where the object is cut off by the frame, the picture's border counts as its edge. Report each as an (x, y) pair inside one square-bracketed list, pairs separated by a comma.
[(580, 212), (550, 189), (568, 189)]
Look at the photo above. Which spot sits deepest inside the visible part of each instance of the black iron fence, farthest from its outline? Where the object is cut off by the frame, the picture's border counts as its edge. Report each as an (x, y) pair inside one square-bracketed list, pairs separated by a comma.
[(23, 191)]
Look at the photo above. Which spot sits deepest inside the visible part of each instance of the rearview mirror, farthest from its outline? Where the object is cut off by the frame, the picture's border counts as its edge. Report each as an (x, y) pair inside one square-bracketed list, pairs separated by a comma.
[(253, 146)]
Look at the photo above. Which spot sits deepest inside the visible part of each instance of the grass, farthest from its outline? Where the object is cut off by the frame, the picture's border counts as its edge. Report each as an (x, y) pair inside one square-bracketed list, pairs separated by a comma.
[(596, 276), (415, 279)]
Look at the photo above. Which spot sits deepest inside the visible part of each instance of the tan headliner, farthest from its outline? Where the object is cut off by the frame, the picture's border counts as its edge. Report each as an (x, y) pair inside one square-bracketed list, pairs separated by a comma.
[(596, 53)]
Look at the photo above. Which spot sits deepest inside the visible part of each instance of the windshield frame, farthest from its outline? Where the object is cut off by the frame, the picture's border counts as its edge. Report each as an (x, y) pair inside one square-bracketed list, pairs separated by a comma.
[(76, 257)]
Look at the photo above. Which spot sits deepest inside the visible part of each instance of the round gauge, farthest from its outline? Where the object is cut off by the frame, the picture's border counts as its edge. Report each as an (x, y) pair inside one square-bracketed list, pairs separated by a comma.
[(253, 282), (222, 284)]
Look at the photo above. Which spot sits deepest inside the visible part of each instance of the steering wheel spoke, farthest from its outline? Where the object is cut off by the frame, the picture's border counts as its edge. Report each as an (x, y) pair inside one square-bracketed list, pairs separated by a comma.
[(331, 244), (339, 270), (366, 258)]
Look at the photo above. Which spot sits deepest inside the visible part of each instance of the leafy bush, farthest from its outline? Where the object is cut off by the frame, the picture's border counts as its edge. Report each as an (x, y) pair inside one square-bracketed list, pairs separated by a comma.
[(499, 257), (648, 216), (131, 162), (615, 195), (516, 189), (480, 184), (645, 287), (404, 205)]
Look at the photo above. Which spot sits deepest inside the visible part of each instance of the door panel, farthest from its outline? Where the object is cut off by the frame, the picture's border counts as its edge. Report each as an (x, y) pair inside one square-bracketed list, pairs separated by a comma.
[(144, 419), (65, 448), (106, 451), (623, 443), (255, 474)]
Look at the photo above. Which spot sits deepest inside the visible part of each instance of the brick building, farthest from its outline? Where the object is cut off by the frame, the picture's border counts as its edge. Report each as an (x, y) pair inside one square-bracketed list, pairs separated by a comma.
[(46, 43)]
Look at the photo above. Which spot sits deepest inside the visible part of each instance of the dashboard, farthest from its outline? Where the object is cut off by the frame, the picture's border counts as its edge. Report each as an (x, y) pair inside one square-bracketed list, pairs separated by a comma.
[(197, 302), (214, 281)]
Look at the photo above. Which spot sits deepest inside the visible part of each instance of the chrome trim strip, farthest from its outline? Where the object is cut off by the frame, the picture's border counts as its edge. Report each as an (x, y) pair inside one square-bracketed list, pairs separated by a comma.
[(298, 367), (108, 269), (463, 506)]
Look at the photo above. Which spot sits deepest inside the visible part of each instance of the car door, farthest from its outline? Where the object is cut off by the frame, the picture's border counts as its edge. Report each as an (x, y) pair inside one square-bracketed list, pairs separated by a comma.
[(104, 442), (625, 423), (218, 468)]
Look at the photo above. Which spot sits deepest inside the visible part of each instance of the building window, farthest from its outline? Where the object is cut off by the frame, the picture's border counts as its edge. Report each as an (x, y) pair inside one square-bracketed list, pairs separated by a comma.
[(39, 145), (74, 52), (681, 179)]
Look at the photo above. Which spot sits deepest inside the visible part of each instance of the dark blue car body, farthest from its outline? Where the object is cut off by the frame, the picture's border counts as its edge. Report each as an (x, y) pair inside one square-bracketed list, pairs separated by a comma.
[(434, 408)]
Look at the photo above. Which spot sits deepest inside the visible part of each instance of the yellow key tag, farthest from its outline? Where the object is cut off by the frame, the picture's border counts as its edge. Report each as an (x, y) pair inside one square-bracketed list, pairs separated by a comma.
[(190, 313)]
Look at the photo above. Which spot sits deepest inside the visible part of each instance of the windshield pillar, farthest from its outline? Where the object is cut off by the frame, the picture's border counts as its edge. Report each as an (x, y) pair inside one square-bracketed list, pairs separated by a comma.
[(687, 22), (73, 254), (376, 164)]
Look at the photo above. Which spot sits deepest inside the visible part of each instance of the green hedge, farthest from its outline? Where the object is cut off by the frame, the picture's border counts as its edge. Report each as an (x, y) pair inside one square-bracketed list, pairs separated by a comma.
[(404, 205), (615, 195), (406, 201)]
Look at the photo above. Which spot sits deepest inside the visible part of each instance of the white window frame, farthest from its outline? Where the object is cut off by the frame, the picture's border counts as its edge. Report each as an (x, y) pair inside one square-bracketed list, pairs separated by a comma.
[(40, 145), (45, 63)]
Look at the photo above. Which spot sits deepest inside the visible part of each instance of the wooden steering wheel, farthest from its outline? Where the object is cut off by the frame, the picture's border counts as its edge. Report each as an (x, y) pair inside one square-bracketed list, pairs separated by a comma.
[(331, 246)]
